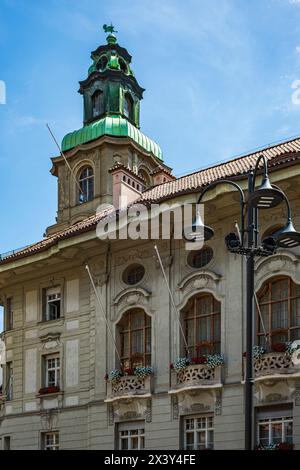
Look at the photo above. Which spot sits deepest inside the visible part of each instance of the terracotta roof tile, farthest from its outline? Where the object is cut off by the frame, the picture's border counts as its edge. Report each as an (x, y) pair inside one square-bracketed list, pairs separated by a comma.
[(277, 155)]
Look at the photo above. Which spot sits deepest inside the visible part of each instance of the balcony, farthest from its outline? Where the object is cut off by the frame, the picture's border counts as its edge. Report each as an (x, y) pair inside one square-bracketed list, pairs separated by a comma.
[(275, 365), (196, 377), (129, 386)]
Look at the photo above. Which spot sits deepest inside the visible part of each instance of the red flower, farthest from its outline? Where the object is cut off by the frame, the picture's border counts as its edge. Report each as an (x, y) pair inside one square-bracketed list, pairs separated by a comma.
[(128, 371), (285, 446), (45, 390), (106, 377), (245, 354), (279, 347), (199, 360), (171, 366)]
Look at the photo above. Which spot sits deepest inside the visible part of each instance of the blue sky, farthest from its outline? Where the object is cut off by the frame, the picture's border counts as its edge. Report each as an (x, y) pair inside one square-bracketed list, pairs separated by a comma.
[(218, 78)]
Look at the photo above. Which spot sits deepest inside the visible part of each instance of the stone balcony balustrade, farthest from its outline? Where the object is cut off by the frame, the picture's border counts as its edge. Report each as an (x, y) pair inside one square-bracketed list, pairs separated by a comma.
[(129, 386), (193, 377), (274, 365)]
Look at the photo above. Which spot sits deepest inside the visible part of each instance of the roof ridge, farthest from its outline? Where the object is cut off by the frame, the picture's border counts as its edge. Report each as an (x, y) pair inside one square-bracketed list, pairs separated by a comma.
[(226, 162)]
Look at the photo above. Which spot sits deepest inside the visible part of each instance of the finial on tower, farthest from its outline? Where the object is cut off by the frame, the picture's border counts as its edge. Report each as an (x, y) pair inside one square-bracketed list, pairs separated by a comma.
[(111, 38)]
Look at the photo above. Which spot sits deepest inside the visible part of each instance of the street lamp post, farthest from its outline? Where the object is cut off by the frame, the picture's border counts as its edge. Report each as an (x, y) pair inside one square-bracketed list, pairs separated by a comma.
[(246, 243)]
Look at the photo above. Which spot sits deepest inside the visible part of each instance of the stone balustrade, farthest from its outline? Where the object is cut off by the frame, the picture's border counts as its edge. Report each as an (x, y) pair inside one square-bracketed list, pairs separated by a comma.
[(196, 376), (274, 363), (129, 386)]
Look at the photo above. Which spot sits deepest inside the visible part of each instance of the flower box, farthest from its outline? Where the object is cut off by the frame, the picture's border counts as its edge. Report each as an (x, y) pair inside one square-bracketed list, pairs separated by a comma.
[(47, 390)]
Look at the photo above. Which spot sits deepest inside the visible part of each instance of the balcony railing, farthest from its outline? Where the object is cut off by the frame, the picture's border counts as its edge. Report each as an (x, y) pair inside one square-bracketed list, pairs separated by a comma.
[(197, 377), (129, 386), (275, 364)]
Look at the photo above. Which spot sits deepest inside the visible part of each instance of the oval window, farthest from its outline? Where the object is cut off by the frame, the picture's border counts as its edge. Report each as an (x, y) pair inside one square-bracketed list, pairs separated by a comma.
[(133, 274), (199, 259)]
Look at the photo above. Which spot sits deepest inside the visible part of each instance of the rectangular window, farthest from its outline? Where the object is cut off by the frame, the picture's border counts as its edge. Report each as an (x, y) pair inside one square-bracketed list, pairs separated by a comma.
[(52, 301), (199, 433), (9, 315), (52, 371), (275, 430), (50, 441), (9, 381), (131, 436), (6, 443)]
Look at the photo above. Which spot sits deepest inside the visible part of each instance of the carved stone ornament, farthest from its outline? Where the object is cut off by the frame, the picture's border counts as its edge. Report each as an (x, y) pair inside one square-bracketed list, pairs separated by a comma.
[(198, 281), (132, 296), (133, 256), (195, 401), (50, 341), (274, 391), (131, 408)]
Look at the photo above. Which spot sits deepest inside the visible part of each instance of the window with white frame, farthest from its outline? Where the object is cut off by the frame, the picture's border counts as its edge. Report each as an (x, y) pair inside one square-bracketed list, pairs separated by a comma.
[(274, 430), (52, 371), (131, 436), (198, 432), (52, 303), (50, 440), (9, 381)]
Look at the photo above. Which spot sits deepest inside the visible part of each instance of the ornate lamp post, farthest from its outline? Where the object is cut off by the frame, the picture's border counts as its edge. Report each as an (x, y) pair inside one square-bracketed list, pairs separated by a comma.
[(246, 244)]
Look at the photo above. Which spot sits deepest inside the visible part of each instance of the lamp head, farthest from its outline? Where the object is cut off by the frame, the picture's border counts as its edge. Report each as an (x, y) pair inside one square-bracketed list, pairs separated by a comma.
[(287, 237), (198, 231), (266, 196)]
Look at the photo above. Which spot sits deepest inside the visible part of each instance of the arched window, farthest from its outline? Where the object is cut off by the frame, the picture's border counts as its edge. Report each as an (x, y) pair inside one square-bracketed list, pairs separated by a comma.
[(202, 325), (102, 63), (128, 106), (279, 304), (145, 175), (86, 183), (135, 339), (97, 103)]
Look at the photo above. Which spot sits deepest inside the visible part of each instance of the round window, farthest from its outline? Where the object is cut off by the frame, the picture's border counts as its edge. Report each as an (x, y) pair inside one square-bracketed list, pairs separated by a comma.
[(199, 259), (133, 274)]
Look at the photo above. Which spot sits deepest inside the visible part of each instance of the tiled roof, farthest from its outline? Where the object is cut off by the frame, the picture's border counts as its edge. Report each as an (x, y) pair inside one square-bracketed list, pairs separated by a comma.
[(285, 153), (279, 154)]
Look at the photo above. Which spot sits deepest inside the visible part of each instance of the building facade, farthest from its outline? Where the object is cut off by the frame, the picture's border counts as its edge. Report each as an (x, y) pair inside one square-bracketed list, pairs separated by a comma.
[(66, 342)]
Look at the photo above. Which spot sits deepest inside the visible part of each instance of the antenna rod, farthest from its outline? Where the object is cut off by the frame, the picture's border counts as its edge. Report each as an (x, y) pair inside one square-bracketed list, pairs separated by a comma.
[(171, 297), (64, 157), (102, 311)]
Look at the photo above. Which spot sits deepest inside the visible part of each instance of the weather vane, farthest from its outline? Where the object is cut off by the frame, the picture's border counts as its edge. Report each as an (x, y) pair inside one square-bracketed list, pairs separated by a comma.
[(109, 28)]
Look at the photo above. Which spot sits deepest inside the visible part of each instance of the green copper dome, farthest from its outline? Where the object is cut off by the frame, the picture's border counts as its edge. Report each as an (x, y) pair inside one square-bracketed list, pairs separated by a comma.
[(110, 125)]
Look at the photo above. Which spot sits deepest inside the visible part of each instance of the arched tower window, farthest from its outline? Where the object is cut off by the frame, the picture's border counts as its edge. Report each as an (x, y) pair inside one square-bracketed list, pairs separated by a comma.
[(128, 106), (279, 304), (86, 183), (97, 103), (145, 175), (202, 325), (135, 339)]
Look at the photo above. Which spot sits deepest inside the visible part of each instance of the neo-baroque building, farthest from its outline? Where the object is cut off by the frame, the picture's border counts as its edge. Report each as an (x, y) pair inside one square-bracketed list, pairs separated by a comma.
[(84, 374)]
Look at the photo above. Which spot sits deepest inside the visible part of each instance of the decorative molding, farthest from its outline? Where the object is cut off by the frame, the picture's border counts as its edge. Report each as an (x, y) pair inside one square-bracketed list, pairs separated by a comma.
[(133, 256), (50, 340), (167, 261), (110, 414), (283, 262), (132, 296), (218, 403), (148, 412), (200, 279), (175, 407), (297, 394)]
